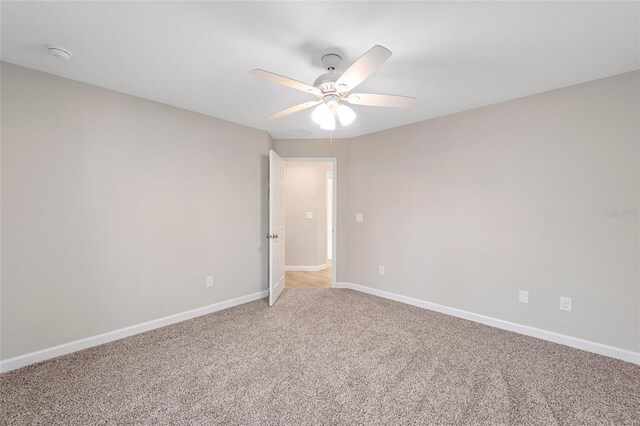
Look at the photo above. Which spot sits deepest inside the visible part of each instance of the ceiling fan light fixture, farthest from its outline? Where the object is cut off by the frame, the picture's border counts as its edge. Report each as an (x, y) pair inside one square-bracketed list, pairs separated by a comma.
[(345, 114), (321, 113), (329, 122)]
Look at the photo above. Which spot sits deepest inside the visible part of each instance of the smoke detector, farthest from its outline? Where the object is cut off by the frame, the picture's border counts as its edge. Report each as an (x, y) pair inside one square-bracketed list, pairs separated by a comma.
[(60, 52)]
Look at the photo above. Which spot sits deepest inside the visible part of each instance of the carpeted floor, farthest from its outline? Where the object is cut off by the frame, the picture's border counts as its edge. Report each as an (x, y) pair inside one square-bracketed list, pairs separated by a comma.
[(324, 356)]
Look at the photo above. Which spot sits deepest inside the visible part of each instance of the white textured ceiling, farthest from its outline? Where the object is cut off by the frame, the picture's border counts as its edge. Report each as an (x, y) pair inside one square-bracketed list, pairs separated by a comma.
[(452, 56)]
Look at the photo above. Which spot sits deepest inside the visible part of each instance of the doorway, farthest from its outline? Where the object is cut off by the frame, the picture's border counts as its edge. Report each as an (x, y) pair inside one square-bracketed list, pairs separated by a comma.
[(310, 218)]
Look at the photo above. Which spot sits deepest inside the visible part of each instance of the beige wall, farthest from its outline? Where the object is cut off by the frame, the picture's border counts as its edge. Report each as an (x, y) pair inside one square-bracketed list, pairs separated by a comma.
[(306, 191), (115, 209), (467, 209)]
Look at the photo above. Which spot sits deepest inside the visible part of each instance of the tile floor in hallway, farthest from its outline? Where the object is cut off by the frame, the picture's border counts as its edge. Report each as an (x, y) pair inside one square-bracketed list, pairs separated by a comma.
[(304, 279)]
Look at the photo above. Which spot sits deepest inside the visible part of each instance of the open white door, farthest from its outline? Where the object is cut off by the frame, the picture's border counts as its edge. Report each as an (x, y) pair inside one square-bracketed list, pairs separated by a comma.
[(276, 227)]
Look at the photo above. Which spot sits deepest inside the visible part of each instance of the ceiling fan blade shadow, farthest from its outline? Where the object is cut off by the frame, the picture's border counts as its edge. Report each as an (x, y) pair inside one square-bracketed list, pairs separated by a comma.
[(292, 109), (372, 99), (366, 65), (286, 81)]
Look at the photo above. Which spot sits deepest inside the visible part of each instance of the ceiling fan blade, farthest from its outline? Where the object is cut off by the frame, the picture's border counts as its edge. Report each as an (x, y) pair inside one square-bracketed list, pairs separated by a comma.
[(286, 81), (293, 109), (371, 99), (366, 65)]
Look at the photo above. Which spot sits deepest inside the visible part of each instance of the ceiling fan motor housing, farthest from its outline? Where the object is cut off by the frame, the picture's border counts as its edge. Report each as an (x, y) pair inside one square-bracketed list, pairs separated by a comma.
[(326, 82)]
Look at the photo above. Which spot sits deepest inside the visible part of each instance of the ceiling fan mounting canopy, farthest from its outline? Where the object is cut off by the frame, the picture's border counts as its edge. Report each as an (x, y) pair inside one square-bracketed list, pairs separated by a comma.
[(331, 61), (332, 88)]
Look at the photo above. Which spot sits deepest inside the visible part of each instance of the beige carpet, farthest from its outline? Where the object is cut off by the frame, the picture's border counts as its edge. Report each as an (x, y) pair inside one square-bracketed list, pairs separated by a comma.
[(324, 356)]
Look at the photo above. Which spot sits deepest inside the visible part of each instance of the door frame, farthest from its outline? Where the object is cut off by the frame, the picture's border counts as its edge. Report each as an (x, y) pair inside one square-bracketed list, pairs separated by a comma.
[(334, 193)]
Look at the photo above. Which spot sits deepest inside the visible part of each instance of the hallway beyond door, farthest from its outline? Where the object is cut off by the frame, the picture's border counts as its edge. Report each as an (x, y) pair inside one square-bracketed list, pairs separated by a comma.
[(306, 279)]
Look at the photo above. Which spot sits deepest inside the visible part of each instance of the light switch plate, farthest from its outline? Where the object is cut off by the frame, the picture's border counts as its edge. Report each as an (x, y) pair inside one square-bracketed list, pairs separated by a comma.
[(523, 296), (309, 215), (381, 270), (209, 281), (359, 217)]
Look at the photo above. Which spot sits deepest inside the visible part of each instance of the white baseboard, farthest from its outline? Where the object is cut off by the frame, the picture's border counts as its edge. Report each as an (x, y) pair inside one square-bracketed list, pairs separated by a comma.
[(306, 268), (66, 348), (574, 342), (88, 342)]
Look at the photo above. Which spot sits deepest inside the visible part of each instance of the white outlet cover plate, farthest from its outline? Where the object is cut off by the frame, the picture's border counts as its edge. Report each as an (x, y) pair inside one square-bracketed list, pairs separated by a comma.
[(523, 296), (309, 215), (209, 281), (566, 304), (381, 270), (359, 217)]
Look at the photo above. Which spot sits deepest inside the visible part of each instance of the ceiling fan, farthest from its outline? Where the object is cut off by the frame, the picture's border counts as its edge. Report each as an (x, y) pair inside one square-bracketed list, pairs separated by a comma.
[(332, 90)]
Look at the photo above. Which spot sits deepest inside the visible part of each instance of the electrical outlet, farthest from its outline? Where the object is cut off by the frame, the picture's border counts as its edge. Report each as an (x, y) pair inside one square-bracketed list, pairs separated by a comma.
[(381, 270), (359, 217), (309, 215), (566, 304), (523, 296), (209, 281)]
